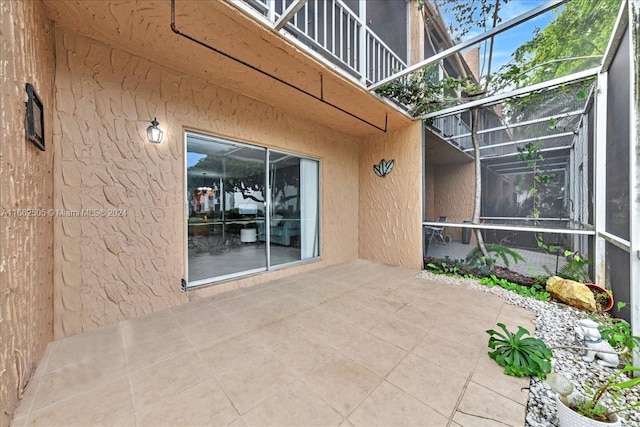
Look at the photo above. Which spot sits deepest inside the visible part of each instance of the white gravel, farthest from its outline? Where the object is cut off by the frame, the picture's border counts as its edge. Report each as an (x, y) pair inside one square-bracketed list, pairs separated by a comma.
[(555, 323)]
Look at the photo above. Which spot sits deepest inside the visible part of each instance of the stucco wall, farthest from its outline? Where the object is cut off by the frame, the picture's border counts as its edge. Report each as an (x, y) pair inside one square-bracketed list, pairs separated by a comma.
[(26, 243), (454, 193), (110, 269), (391, 207)]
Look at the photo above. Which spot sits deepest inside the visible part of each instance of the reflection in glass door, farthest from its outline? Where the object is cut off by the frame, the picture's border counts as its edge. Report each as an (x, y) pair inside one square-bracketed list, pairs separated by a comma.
[(225, 201), (293, 208), (227, 195)]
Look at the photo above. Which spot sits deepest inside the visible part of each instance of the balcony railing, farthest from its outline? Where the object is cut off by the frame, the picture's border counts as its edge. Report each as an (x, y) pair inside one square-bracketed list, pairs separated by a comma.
[(333, 30)]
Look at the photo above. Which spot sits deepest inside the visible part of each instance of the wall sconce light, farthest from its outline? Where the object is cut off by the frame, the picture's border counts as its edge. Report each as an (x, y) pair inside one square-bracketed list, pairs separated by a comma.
[(154, 133)]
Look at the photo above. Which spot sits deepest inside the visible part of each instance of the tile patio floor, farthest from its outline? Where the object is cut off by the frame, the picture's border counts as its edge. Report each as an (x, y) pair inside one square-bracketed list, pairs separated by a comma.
[(358, 344)]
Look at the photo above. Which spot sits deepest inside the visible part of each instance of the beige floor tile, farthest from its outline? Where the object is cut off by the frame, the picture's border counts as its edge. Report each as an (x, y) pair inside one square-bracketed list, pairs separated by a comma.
[(294, 405), (434, 386), (324, 327), (390, 406), (272, 334), (266, 292), (200, 313), (18, 422), (348, 310), (241, 302), (167, 378), (146, 328), (251, 382), (157, 349), (205, 334), (78, 347), (224, 355), (467, 327), (257, 317), (28, 398), (287, 305), (385, 303), (375, 354), (417, 316), (204, 404), (238, 422), (449, 352), (80, 377), (300, 354), (399, 333), (513, 316), (482, 407), (491, 375), (342, 383), (128, 422), (101, 406)]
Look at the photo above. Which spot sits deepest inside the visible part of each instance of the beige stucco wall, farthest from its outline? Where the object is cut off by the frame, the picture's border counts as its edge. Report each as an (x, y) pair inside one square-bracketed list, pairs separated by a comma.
[(454, 193), (391, 207), (110, 269), (26, 243)]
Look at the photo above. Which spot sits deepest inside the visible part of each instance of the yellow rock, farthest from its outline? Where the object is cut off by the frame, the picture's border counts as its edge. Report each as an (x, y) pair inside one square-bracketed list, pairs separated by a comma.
[(573, 293)]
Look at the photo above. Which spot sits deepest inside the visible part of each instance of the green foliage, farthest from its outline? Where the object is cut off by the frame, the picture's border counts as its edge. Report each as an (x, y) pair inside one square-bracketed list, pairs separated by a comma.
[(618, 333), (421, 92), (520, 355), (450, 267), (475, 256), (534, 291), (443, 268), (591, 408), (531, 155), (574, 40), (575, 263)]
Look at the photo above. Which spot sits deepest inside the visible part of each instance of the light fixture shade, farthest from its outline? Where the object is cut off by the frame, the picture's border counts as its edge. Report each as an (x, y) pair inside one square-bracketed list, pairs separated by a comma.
[(154, 133)]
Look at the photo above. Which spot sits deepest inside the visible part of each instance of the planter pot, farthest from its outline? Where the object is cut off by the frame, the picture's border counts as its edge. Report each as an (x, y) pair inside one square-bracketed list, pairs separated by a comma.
[(569, 418), (607, 302), (248, 235)]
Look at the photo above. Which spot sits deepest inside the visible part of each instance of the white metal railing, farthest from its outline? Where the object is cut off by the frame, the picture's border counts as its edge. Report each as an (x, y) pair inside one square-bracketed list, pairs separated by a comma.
[(452, 126), (332, 29)]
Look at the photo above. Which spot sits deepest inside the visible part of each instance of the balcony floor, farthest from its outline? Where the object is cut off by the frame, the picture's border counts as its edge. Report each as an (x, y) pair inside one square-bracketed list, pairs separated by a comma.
[(358, 344)]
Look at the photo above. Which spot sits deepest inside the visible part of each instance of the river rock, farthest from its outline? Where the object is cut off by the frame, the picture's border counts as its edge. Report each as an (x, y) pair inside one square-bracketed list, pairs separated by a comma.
[(573, 293)]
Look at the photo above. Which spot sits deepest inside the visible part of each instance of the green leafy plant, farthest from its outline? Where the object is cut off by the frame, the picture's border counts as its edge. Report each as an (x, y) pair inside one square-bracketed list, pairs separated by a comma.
[(519, 354), (617, 332), (589, 406), (475, 256), (534, 291), (448, 266), (575, 263)]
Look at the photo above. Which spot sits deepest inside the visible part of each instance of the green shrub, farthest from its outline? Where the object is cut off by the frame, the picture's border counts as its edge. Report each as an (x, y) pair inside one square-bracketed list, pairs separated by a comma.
[(520, 355)]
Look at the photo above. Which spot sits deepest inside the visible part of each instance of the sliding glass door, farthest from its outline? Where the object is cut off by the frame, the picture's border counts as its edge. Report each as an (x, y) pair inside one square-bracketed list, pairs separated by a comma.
[(294, 208), (249, 209)]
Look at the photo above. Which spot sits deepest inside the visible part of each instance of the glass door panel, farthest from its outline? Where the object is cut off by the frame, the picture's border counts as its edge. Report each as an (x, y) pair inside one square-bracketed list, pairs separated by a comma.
[(226, 207), (293, 208)]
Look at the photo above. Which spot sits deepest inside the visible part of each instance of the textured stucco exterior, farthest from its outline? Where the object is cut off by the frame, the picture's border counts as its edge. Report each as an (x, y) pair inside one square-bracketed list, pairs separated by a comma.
[(26, 243), (454, 193), (110, 269), (391, 207)]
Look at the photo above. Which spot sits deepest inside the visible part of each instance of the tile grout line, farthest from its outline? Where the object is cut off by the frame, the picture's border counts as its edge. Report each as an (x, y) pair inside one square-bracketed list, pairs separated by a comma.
[(126, 358)]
